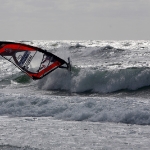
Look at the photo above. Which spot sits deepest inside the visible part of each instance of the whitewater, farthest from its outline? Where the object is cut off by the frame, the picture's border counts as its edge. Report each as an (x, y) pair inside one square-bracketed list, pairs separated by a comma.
[(103, 103)]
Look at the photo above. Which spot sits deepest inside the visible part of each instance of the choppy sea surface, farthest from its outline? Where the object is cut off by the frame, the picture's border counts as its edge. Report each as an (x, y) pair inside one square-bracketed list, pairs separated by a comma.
[(103, 103)]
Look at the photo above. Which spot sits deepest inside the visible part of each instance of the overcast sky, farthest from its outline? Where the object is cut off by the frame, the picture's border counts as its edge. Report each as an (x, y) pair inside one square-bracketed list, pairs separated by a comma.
[(74, 19)]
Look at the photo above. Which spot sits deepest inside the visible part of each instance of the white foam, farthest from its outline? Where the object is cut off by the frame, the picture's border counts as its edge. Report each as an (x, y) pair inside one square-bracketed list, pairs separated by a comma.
[(96, 109)]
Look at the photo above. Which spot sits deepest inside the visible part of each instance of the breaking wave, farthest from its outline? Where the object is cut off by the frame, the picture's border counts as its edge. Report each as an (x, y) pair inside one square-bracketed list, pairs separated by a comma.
[(89, 80), (97, 81)]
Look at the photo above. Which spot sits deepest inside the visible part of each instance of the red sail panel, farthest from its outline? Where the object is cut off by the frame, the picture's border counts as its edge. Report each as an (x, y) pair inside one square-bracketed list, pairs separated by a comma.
[(44, 71)]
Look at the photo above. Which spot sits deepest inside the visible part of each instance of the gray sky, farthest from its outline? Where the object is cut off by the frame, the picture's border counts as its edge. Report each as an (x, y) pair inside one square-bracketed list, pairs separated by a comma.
[(75, 20)]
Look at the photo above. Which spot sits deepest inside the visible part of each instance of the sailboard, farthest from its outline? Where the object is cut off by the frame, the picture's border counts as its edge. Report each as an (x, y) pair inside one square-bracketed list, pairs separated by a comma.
[(33, 61)]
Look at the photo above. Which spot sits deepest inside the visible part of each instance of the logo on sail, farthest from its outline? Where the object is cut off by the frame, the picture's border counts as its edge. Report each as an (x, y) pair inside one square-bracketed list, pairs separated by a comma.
[(24, 58)]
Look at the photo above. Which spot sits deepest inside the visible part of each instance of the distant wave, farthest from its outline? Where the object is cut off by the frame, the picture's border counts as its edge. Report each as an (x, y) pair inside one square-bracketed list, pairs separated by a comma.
[(77, 46), (11, 147)]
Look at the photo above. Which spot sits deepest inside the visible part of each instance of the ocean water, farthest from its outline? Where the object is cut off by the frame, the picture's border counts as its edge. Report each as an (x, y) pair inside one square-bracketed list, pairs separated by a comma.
[(103, 103)]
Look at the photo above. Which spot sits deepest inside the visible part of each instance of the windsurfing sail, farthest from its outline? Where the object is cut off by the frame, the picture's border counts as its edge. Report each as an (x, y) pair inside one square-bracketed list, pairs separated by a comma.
[(34, 61)]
